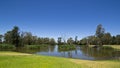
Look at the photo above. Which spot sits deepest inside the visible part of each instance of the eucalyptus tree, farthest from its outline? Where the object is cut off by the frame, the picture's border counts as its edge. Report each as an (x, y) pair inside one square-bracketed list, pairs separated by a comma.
[(76, 40), (52, 41), (12, 37), (1, 37), (15, 36), (70, 41), (59, 41), (99, 33), (118, 39)]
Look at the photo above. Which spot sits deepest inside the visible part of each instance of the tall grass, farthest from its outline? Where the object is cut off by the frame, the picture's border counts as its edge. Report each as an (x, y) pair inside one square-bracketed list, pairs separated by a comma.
[(36, 46), (7, 47)]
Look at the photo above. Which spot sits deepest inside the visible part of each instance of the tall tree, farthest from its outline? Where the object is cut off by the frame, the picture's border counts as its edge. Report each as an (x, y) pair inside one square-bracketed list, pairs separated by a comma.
[(15, 36), (70, 41), (118, 39), (52, 41), (106, 39), (46, 40), (99, 33), (28, 38), (8, 37), (76, 39), (59, 40), (1, 37)]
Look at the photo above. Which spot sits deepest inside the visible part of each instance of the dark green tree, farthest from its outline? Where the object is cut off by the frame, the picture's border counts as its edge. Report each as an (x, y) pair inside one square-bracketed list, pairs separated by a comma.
[(1, 37), (59, 41), (70, 41), (76, 40), (52, 41), (118, 39), (28, 38), (106, 39), (99, 33), (8, 37), (15, 36)]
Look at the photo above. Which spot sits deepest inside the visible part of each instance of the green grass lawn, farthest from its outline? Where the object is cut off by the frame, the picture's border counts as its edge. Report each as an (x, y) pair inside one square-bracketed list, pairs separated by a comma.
[(22, 60)]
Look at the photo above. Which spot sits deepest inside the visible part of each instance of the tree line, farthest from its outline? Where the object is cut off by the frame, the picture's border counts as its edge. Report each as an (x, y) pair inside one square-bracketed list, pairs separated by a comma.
[(101, 38), (20, 39)]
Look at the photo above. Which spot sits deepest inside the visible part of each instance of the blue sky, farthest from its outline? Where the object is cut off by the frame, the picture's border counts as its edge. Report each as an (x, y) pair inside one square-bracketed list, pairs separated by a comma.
[(54, 18)]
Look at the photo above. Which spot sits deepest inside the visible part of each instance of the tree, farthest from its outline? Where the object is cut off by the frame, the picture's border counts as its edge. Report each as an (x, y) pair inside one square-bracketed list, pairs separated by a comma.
[(113, 40), (83, 41), (46, 40), (15, 36), (1, 37), (8, 37), (106, 39), (59, 40), (118, 39), (34, 40), (28, 38), (76, 39), (70, 41), (99, 33), (52, 41), (40, 41)]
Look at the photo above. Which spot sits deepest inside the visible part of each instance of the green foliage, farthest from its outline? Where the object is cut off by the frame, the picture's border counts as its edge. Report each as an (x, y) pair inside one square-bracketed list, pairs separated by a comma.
[(36, 46), (59, 41), (6, 47), (70, 41), (12, 37), (107, 47), (66, 47), (1, 37), (52, 41)]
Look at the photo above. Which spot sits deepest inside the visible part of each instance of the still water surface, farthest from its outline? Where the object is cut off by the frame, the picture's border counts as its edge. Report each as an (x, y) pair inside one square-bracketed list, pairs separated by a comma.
[(80, 52)]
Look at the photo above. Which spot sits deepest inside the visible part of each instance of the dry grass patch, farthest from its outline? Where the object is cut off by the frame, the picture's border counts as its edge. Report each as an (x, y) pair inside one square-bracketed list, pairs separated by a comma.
[(12, 53), (97, 64)]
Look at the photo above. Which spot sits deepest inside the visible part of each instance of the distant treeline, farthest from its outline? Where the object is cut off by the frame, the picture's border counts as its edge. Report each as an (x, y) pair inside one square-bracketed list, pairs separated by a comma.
[(19, 39), (101, 38)]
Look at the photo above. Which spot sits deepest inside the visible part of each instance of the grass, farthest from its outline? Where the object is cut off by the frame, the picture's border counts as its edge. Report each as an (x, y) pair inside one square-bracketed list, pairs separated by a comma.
[(23, 60), (98, 64), (115, 46)]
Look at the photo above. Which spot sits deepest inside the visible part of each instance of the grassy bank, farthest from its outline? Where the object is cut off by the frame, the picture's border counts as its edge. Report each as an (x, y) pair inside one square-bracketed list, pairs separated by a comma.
[(113, 46), (22, 60)]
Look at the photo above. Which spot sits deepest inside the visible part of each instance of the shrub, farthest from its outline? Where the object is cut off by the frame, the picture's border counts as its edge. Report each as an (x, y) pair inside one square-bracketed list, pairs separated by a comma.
[(6, 47), (35, 46), (107, 47), (66, 47)]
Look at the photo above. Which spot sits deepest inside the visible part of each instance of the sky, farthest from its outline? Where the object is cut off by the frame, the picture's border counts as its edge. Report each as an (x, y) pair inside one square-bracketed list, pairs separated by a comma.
[(55, 18)]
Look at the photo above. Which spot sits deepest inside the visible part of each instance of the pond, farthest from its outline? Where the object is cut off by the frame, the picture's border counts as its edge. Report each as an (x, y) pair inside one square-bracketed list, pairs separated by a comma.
[(81, 52)]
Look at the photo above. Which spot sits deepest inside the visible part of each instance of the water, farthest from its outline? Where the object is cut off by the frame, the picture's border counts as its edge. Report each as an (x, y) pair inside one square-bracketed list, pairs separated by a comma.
[(81, 52)]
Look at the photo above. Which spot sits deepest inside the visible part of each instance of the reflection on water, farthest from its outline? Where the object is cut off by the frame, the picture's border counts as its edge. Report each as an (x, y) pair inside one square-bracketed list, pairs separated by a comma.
[(81, 52)]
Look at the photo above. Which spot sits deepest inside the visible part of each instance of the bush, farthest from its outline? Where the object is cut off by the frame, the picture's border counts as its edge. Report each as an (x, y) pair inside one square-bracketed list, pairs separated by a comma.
[(107, 47), (35, 46), (6, 47), (66, 47)]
